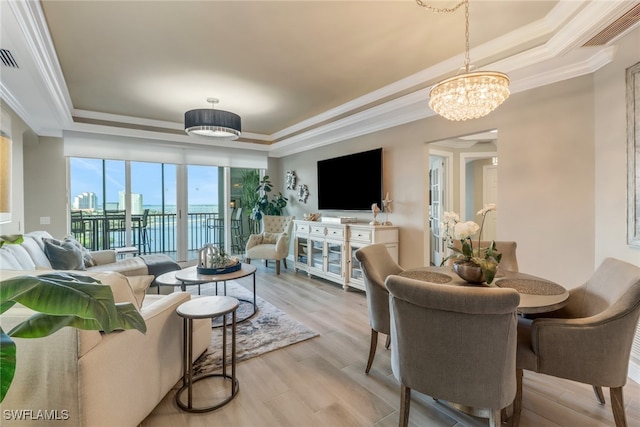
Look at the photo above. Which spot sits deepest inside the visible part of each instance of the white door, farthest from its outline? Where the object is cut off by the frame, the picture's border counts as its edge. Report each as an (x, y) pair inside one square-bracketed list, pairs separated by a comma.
[(490, 195), (436, 200)]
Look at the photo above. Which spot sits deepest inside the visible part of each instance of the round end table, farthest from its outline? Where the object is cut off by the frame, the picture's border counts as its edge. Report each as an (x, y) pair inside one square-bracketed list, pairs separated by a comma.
[(202, 308)]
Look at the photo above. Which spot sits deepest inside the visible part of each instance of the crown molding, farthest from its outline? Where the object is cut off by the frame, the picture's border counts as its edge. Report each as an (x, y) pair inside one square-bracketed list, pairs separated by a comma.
[(161, 124), (415, 105), (504, 43), (165, 138), (30, 18), (576, 64), (569, 24)]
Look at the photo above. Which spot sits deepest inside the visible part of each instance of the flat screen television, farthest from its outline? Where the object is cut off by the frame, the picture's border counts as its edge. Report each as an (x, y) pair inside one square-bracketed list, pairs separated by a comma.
[(350, 183)]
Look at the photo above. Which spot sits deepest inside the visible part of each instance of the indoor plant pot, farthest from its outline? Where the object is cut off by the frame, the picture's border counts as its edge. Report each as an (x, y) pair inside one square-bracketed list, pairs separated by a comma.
[(469, 271)]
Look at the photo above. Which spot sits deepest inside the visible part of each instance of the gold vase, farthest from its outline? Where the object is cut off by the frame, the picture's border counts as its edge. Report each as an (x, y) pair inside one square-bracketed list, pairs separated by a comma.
[(469, 271)]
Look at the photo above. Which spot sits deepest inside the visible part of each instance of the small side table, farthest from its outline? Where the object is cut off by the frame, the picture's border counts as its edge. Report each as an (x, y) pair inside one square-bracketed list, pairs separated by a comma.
[(202, 308), (123, 252)]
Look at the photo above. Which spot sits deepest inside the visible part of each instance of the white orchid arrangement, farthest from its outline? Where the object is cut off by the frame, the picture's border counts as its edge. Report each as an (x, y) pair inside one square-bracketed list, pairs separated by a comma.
[(487, 258)]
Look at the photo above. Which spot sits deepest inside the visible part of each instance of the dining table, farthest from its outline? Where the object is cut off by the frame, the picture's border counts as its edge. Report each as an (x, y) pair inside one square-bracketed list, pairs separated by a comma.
[(537, 295)]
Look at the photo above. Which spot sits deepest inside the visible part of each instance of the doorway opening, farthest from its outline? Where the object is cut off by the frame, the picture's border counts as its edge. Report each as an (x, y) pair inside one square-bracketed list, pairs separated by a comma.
[(462, 177)]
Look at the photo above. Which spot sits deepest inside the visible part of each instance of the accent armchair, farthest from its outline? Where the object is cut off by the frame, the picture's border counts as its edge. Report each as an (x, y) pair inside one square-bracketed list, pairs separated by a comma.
[(590, 339), (377, 265), (454, 343), (273, 242)]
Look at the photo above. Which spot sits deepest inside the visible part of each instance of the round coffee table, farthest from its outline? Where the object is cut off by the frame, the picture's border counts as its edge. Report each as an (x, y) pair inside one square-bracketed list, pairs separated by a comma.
[(190, 276), (202, 308)]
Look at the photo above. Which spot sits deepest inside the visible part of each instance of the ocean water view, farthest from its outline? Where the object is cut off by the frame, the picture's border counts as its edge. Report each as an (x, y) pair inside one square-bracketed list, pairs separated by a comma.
[(169, 209)]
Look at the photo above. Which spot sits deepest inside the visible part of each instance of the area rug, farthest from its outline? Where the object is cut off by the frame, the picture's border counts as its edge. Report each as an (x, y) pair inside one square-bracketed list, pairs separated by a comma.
[(268, 330)]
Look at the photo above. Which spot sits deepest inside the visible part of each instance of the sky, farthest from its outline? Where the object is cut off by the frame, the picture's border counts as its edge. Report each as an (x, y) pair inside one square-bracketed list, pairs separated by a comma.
[(86, 176)]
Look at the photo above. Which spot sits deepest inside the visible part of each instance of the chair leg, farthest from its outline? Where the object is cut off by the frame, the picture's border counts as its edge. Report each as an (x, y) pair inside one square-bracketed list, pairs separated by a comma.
[(372, 350), (599, 394), (517, 402), (277, 267), (248, 260), (405, 405), (617, 404), (495, 418), (284, 260), (387, 343)]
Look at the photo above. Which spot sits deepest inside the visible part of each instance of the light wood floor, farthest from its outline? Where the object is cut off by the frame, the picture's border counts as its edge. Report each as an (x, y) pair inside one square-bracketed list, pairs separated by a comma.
[(321, 382)]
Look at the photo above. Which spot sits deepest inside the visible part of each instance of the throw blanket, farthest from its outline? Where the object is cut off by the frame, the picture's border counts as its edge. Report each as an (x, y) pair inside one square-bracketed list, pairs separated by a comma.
[(159, 264)]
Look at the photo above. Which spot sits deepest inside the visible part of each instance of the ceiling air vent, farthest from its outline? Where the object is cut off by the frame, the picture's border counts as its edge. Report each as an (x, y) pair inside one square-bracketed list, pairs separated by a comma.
[(7, 59), (616, 28)]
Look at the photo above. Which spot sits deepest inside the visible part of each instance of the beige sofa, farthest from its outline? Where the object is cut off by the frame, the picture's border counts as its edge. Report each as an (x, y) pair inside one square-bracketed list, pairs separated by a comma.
[(31, 255), (77, 378)]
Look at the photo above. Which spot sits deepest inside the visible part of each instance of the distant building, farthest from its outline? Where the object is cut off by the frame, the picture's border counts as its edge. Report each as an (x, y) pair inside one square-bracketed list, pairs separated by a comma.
[(136, 203), (87, 201)]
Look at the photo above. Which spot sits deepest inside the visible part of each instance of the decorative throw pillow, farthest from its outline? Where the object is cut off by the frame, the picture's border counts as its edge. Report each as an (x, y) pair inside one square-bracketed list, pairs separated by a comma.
[(120, 285), (270, 238), (63, 255), (139, 286), (86, 255)]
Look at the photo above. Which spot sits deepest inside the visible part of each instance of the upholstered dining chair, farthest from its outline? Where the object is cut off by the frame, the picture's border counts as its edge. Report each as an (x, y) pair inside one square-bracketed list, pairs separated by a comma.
[(377, 264), (454, 343), (273, 242), (509, 261), (590, 339)]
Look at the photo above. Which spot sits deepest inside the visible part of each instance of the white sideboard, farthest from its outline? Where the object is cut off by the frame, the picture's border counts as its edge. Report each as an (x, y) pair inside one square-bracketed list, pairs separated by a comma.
[(327, 250)]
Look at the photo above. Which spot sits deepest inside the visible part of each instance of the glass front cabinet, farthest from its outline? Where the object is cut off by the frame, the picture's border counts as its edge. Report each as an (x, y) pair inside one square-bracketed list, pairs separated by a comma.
[(328, 250)]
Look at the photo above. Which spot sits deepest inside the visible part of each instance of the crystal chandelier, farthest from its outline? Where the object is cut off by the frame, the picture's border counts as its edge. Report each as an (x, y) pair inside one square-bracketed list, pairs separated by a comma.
[(469, 95)]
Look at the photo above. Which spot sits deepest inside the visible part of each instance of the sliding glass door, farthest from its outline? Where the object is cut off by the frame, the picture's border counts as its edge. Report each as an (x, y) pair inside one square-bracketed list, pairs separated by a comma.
[(205, 218), (153, 196), (159, 207)]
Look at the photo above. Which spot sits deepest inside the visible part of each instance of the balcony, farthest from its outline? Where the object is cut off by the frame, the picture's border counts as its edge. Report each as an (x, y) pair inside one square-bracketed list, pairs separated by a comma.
[(157, 233)]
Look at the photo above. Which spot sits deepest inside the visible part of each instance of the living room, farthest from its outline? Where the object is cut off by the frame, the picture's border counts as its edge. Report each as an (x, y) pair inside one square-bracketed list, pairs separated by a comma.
[(562, 177)]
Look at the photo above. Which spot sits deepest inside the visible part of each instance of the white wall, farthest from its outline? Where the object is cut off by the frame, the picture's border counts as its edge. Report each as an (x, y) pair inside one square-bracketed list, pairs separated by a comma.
[(611, 154), (46, 175), (611, 165), (545, 177)]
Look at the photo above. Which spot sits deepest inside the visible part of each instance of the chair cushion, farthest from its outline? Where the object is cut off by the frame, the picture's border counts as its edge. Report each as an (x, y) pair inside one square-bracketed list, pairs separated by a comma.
[(16, 256), (32, 246), (262, 252), (525, 357), (270, 238)]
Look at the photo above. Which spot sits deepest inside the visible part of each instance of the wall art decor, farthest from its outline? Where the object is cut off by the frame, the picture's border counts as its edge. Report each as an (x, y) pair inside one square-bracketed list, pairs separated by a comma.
[(291, 180), (303, 193)]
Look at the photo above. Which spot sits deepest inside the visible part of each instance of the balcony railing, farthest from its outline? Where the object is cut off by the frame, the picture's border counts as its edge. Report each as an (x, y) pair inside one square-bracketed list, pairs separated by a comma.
[(158, 235)]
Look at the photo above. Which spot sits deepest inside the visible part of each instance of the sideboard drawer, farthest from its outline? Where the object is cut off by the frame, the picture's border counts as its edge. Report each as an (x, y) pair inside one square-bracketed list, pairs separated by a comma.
[(361, 235), (318, 229), (336, 233), (302, 228)]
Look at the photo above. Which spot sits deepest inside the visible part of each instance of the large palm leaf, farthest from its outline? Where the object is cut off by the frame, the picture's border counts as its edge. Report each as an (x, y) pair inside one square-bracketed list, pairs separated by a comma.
[(59, 300)]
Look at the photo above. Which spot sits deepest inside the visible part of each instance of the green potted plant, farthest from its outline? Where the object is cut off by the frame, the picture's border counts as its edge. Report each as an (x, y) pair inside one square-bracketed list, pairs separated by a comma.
[(249, 197), (59, 299), (266, 205)]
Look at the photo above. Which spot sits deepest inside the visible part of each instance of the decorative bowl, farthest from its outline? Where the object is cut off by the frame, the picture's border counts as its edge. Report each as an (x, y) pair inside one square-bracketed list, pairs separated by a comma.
[(223, 270), (311, 216)]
